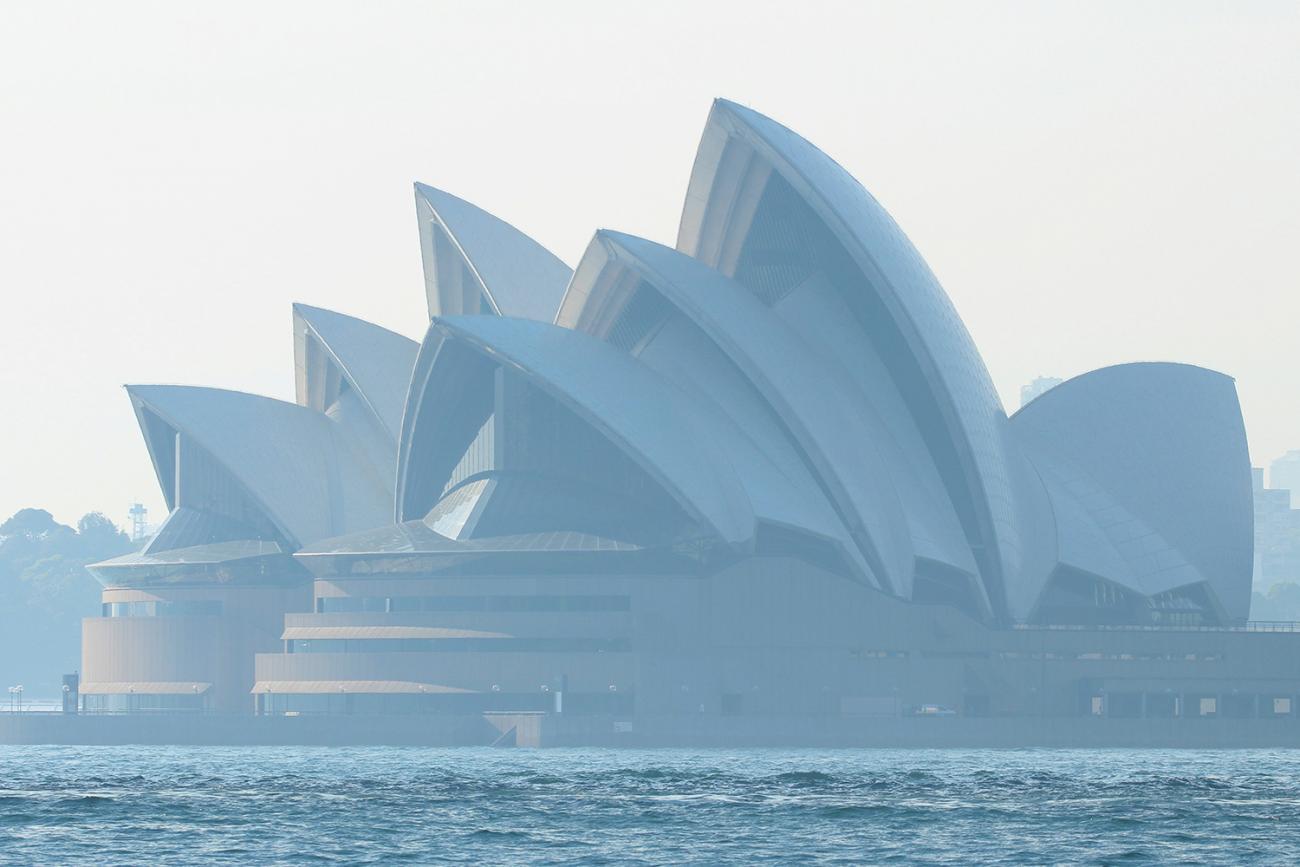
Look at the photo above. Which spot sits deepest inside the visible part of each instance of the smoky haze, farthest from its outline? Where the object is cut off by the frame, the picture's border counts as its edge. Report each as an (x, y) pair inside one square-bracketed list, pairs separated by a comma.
[(1092, 183)]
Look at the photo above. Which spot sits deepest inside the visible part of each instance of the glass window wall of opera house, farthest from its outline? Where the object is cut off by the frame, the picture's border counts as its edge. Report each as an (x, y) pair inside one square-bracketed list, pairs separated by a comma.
[(761, 474)]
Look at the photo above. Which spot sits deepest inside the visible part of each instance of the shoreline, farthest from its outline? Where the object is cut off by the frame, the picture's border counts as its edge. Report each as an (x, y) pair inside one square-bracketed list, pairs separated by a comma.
[(548, 730)]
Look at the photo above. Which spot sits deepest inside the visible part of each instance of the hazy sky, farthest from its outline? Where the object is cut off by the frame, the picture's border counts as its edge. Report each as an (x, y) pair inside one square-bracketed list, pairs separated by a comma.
[(1093, 183)]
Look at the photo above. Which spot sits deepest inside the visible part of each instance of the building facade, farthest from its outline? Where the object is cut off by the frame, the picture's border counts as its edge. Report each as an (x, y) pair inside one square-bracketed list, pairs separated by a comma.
[(1277, 533), (1284, 474), (248, 480), (762, 474)]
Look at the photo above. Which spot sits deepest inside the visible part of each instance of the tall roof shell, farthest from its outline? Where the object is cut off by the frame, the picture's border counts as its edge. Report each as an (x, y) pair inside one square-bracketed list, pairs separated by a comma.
[(694, 452), (957, 408), (516, 275), (850, 454), (292, 461), (656, 428), (1158, 457)]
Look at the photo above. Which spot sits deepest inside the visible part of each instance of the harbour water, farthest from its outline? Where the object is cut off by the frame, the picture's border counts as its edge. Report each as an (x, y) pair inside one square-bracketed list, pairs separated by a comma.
[(176, 805)]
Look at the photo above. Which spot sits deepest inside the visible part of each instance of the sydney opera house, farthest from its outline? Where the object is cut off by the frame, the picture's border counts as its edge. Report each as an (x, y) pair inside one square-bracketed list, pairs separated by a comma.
[(759, 478)]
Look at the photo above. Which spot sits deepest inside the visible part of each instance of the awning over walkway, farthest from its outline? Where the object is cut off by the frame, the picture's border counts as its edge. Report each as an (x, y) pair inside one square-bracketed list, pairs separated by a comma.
[(145, 687), (335, 687), (308, 632)]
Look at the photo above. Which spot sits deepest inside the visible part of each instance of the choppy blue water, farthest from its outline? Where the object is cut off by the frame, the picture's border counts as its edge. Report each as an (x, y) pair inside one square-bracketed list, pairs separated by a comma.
[(386, 805)]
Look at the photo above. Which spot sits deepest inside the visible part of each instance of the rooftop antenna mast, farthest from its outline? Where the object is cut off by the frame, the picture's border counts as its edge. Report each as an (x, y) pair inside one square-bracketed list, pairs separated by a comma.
[(139, 521)]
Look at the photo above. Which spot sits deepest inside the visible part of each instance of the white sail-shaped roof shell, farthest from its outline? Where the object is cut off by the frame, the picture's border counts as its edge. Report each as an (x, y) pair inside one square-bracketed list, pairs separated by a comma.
[(293, 462), (357, 373), (791, 381), (849, 454), (693, 451), (1154, 455), (376, 363), (472, 258), (959, 412)]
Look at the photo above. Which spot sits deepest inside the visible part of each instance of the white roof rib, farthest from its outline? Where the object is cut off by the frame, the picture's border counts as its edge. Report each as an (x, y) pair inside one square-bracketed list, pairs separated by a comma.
[(376, 362), (290, 459), (519, 276)]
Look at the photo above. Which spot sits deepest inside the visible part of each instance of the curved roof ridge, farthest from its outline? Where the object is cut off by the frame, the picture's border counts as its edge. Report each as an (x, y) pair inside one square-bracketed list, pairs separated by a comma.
[(1123, 365), (518, 276)]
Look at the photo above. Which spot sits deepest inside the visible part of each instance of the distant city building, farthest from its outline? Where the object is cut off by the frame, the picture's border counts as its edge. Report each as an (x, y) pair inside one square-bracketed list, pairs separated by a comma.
[(1277, 526), (762, 475), (1040, 385), (1284, 473)]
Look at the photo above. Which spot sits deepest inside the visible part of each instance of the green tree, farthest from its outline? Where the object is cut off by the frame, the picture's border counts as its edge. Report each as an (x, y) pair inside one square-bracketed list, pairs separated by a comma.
[(45, 590), (1282, 602)]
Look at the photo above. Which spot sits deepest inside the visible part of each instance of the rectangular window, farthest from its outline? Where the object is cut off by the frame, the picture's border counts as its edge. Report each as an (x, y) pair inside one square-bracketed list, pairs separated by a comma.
[(1209, 706), (339, 604), (175, 608), (1282, 707), (460, 645)]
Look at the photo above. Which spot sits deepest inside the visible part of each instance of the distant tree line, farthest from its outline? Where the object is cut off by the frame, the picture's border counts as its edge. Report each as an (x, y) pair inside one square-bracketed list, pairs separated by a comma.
[(45, 591), (1281, 602)]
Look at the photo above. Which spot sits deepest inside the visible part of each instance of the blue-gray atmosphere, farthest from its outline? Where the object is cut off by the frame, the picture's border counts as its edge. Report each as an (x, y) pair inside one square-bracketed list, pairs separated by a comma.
[(587, 433)]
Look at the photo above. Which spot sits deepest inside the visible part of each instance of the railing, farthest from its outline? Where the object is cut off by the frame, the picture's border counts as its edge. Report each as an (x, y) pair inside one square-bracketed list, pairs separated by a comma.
[(54, 710), (1249, 626), (1272, 626)]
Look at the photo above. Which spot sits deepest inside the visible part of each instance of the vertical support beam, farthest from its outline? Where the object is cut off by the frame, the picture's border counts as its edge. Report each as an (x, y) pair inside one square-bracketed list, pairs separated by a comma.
[(176, 472), (500, 425), (510, 418)]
